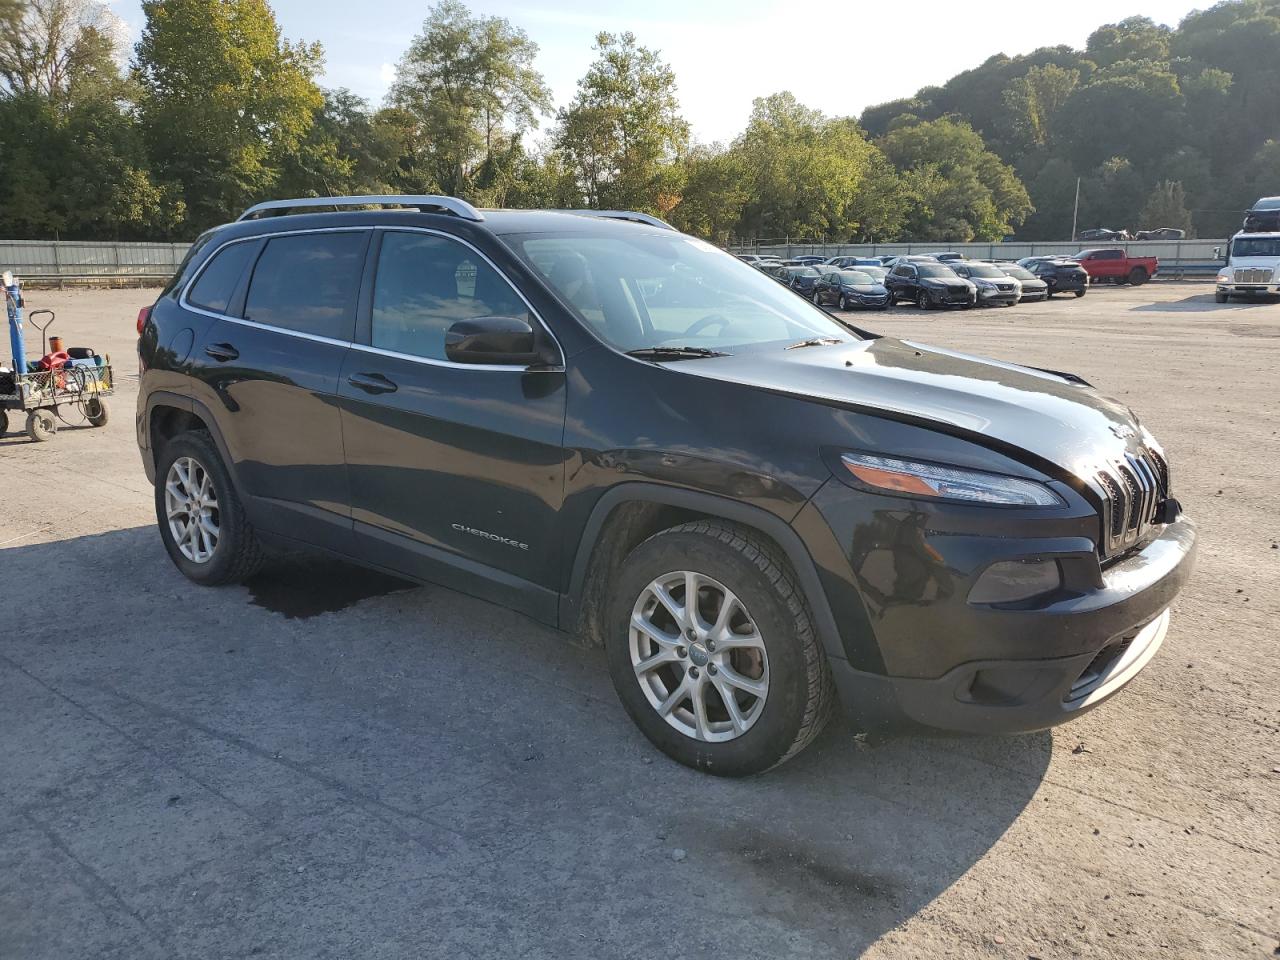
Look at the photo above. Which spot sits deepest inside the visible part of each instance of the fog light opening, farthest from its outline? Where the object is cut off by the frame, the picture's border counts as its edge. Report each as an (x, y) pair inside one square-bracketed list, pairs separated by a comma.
[(1015, 581)]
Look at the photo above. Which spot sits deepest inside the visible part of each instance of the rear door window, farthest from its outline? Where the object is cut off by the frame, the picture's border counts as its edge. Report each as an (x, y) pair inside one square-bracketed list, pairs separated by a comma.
[(218, 281), (307, 282)]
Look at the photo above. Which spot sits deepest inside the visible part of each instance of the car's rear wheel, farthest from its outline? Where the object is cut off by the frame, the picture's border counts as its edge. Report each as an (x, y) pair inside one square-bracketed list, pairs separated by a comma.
[(201, 520), (923, 301), (712, 651), (844, 302), (1079, 294), (1137, 276)]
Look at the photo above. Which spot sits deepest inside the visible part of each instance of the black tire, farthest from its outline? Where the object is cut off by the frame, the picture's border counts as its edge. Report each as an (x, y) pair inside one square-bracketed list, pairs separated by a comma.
[(800, 694), (1079, 294), (4, 422), (844, 302), (95, 411), (1138, 276), (1217, 298), (237, 555), (922, 300), (41, 425)]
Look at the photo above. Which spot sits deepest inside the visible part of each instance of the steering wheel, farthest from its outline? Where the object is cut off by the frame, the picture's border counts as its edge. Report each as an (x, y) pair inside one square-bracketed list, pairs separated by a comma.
[(710, 320)]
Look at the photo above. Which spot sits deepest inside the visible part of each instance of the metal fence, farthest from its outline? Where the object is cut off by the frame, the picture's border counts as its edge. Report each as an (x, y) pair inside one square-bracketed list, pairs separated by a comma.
[(72, 261), (1178, 258)]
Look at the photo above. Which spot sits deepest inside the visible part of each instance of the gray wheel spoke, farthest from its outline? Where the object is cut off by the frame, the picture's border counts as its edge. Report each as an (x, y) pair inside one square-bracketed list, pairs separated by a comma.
[(653, 633), (675, 697), (676, 610), (657, 660), (735, 679), (740, 641), (697, 693), (730, 705)]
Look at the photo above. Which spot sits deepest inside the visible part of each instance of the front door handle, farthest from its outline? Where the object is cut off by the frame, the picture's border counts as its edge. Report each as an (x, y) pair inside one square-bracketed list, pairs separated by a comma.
[(372, 383), (222, 352)]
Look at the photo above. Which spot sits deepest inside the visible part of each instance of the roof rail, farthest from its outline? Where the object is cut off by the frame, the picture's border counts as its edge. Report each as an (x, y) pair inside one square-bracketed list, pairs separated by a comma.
[(632, 215), (459, 208)]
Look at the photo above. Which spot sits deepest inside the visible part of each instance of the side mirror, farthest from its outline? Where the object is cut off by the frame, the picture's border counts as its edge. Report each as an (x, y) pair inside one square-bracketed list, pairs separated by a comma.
[(1217, 253), (509, 341)]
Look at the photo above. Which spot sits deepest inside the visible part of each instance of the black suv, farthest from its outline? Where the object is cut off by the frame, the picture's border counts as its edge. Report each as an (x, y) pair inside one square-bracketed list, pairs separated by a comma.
[(622, 431), (1059, 274), (928, 283)]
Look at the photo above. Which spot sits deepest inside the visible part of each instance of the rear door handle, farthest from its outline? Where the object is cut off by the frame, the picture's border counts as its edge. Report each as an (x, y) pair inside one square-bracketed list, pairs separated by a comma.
[(372, 383), (222, 352)]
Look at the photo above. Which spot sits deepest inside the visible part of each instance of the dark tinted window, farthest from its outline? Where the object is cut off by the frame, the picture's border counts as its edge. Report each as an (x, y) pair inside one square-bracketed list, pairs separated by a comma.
[(427, 283), (308, 282), (218, 282)]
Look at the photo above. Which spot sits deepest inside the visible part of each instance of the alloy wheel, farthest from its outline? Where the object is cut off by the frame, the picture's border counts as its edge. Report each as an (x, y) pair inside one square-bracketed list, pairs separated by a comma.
[(191, 505), (698, 656)]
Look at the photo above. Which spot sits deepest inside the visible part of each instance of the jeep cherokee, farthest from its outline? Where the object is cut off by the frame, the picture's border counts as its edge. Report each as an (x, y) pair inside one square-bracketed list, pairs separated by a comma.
[(624, 432)]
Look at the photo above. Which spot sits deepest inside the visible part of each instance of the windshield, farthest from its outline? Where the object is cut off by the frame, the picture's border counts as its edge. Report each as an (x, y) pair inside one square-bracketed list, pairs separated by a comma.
[(856, 277), (803, 272), (647, 290), (987, 270), (1013, 270), (1255, 247), (936, 270)]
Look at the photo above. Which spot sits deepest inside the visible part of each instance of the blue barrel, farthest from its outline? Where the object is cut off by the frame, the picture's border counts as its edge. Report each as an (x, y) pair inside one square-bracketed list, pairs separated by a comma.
[(13, 307)]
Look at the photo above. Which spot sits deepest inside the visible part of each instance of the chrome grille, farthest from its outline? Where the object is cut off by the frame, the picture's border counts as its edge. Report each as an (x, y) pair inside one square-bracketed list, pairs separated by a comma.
[(1133, 490), (1252, 275)]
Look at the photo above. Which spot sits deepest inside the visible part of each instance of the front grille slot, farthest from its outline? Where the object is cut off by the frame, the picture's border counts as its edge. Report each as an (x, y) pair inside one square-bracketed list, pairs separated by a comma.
[(1252, 275), (1133, 490)]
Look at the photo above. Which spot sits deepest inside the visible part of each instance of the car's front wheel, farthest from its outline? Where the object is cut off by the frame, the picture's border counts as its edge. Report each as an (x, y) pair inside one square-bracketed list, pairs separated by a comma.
[(1221, 298), (201, 519), (712, 650)]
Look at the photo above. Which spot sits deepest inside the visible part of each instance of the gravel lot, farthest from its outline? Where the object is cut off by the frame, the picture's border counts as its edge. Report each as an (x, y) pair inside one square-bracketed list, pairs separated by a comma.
[(331, 764)]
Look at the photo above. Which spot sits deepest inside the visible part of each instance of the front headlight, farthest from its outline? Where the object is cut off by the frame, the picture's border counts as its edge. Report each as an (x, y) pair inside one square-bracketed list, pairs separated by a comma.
[(1223, 278), (940, 482)]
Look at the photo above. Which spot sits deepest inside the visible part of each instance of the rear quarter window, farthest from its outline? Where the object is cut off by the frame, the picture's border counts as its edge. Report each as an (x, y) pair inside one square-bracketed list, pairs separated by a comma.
[(217, 283)]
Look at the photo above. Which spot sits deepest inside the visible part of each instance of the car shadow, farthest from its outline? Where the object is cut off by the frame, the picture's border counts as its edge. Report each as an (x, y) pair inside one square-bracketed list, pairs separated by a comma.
[(1203, 301), (406, 765)]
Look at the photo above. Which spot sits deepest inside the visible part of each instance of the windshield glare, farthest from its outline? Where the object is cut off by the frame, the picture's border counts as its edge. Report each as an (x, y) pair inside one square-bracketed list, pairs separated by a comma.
[(649, 290), (936, 270), (990, 271), (1256, 247), (856, 277), (1020, 272)]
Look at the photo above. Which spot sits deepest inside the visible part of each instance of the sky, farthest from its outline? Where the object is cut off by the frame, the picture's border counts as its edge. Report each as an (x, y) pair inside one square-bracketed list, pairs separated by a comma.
[(836, 56)]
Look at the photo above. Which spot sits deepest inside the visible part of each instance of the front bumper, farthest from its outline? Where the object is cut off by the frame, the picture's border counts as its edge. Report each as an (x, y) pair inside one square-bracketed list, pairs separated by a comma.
[(997, 297), (947, 664), (1249, 289)]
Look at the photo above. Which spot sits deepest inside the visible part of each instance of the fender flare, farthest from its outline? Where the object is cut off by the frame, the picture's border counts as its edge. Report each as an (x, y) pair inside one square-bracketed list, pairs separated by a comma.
[(773, 526), (165, 398)]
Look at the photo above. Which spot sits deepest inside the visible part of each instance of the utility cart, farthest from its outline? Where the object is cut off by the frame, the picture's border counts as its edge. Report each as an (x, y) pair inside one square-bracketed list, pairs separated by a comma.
[(57, 384)]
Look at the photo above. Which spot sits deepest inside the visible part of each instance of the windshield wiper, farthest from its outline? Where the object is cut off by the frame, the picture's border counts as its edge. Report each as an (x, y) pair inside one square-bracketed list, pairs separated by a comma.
[(814, 342), (674, 353)]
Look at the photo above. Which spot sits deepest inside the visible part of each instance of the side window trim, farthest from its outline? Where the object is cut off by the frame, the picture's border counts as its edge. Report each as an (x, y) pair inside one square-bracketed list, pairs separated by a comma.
[(235, 309), (364, 313)]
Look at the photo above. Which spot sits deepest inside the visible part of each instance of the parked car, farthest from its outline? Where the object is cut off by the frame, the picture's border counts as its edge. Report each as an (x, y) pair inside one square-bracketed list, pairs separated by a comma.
[(1032, 288), (624, 432), (844, 262), (811, 259), (1116, 266), (1263, 216), (1059, 274), (1161, 233), (927, 284), (850, 290), (876, 272), (801, 279), (947, 256), (1102, 233), (994, 285)]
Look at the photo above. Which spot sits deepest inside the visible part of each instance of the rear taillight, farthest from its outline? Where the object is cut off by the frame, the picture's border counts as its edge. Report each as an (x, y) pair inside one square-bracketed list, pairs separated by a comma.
[(143, 316)]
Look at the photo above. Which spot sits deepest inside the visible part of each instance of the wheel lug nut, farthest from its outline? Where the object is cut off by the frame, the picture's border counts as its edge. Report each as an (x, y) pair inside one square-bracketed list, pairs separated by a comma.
[(711, 669), (693, 672), (691, 634), (681, 652), (711, 646)]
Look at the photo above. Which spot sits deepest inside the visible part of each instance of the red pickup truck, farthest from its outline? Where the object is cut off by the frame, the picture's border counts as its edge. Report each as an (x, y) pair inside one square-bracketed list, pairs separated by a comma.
[(1116, 266)]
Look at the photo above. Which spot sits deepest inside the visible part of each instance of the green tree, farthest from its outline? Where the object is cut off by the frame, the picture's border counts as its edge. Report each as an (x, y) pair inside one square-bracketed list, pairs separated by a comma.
[(50, 47), (224, 100), (1134, 38), (963, 191), (1167, 207), (1032, 103), (468, 89), (623, 131), (715, 191)]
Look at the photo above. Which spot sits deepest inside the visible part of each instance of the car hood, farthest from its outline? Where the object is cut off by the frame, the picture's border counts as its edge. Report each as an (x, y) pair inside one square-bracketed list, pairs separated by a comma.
[(1049, 415), (1252, 263)]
